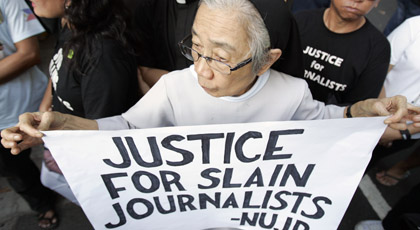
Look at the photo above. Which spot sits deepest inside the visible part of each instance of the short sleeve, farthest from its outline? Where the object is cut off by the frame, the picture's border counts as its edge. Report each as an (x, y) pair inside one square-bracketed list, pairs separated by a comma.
[(22, 21), (400, 39)]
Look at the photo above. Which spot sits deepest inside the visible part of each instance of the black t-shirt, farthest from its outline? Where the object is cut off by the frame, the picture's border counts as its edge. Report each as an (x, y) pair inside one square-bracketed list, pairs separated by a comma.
[(109, 88), (342, 68), (161, 25)]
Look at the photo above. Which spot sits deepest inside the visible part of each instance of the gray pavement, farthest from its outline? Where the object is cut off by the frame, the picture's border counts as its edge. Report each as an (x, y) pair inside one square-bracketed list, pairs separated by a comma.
[(16, 215)]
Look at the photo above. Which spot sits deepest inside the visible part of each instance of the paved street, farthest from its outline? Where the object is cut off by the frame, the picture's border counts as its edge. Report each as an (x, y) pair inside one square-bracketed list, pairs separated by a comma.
[(371, 200)]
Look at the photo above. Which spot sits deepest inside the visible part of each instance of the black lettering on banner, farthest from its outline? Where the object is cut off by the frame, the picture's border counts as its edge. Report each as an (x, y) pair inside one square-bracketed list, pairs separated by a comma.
[(240, 143), (113, 192), (214, 180), (159, 207), (272, 142), (275, 175), (247, 200), (255, 178), (292, 171), (283, 203), (175, 180), (230, 202), (300, 223), (157, 158), (187, 156), (205, 143), (228, 147), (271, 224), (260, 218), (266, 199), (148, 205), (227, 178), (300, 196), (204, 199), (187, 202), (121, 216), (152, 178), (126, 162), (319, 210)]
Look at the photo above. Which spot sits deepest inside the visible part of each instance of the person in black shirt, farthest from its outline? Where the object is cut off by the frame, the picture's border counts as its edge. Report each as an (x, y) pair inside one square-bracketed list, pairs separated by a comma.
[(346, 58), (94, 69), (162, 24)]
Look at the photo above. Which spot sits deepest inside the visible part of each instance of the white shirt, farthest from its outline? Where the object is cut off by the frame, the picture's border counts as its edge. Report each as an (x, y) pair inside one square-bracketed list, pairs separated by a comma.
[(25, 92), (178, 100)]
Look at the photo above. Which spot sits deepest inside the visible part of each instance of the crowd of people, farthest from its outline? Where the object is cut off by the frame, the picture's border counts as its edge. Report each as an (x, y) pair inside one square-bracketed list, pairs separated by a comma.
[(114, 68)]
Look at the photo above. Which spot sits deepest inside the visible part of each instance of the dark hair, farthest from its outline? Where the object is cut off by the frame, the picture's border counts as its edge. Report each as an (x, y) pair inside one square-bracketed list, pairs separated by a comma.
[(94, 20)]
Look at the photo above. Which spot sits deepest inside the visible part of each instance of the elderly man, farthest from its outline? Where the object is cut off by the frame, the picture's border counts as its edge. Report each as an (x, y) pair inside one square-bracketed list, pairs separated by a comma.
[(230, 82)]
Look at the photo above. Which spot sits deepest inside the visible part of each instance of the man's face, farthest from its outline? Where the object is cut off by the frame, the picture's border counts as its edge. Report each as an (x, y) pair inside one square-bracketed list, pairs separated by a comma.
[(350, 10), (219, 35)]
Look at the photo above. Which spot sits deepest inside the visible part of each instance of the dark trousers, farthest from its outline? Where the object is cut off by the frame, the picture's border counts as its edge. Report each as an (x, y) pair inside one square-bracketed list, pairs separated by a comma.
[(24, 177), (405, 215), (380, 151)]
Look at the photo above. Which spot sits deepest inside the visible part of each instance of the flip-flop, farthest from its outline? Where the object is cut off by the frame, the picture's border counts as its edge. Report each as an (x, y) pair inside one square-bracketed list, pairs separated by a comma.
[(52, 221), (389, 180)]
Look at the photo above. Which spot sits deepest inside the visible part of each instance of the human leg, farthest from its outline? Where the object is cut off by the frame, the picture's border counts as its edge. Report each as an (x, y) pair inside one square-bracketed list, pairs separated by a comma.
[(23, 176), (400, 170), (405, 213)]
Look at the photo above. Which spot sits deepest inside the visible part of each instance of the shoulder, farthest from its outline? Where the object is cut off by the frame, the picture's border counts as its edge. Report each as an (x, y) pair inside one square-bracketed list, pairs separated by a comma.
[(286, 81), (375, 38)]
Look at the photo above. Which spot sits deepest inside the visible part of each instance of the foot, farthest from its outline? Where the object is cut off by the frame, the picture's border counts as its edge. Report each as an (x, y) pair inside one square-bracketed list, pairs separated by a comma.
[(47, 220), (369, 225), (391, 178)]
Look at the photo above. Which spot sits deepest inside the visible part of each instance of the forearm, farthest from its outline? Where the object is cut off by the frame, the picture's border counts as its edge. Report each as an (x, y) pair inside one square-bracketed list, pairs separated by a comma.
[(47, 99), (151, 75), (15, 64), (71, 122)]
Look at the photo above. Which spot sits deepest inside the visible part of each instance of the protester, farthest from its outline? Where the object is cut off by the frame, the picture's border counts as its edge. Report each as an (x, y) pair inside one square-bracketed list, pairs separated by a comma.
[(346, 58), (21, 88), (94, 70), (160, 37), (216, 89), (405, 9), (402, 79)]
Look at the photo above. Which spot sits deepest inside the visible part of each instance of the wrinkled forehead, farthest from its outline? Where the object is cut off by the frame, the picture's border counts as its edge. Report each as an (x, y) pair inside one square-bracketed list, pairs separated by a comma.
[(221, 28)]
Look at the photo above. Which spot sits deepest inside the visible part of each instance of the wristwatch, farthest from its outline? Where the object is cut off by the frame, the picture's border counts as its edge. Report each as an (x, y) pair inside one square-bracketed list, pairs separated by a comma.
[(405, 134)]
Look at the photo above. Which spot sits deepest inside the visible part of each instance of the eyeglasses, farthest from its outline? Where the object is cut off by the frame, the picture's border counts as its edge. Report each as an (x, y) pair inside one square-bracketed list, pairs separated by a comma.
[(186, 49)]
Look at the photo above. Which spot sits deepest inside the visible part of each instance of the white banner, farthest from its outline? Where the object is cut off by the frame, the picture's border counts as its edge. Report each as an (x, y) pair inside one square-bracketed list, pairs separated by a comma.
[(271, 175)]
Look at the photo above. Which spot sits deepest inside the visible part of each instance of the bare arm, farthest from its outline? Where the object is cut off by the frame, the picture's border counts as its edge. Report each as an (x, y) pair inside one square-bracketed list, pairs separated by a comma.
[(151, 75), (27, 133), (396, 107), (47, 99), (26, 56), (382, 94)]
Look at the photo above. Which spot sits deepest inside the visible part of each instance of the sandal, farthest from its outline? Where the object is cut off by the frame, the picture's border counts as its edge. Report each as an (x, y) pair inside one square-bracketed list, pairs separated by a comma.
[(47, 220), (387, 179)]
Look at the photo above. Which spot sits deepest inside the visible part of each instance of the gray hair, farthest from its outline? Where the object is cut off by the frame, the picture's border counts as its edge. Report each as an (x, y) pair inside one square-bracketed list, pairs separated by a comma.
[(258, 37)]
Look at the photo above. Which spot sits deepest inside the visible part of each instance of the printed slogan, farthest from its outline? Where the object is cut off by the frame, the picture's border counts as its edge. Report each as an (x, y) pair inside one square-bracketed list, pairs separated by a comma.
[(271, 175)]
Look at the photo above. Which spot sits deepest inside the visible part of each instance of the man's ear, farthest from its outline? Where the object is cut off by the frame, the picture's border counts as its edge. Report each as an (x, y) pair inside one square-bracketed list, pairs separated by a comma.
[(274, 56)]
